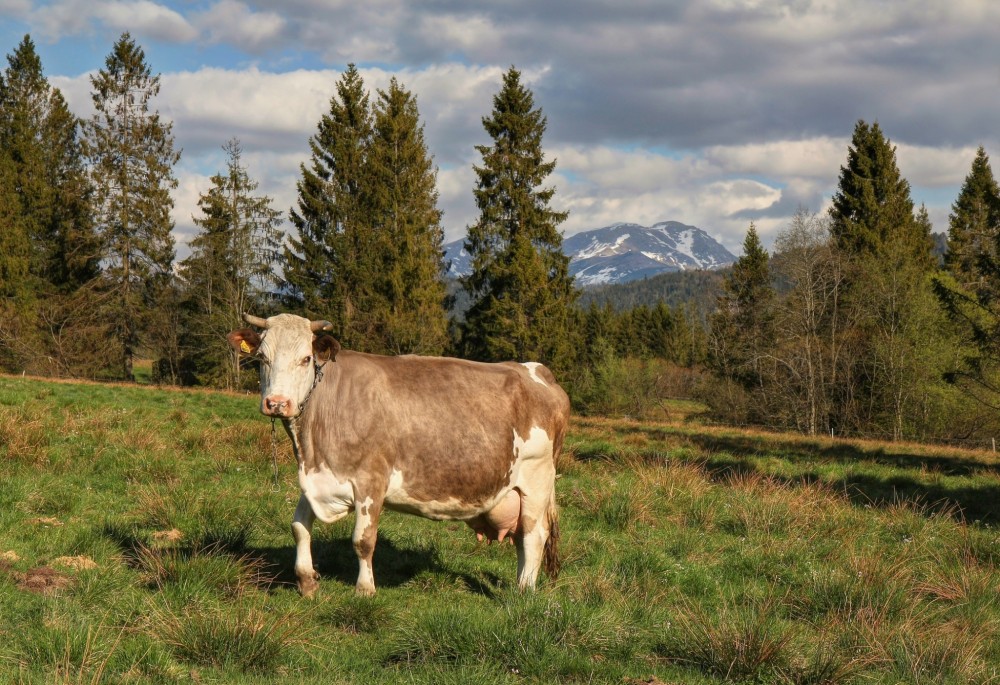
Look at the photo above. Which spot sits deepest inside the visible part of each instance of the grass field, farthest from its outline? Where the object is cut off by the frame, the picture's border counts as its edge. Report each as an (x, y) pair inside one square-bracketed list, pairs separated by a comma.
[(142, 541)]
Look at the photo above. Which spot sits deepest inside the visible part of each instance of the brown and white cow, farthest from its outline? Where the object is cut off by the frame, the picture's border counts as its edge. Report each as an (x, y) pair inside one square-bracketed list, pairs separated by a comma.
[(442, 438)]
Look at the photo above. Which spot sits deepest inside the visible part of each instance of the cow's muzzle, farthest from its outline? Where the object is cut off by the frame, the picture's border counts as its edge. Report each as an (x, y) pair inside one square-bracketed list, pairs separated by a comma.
[(278, 406)]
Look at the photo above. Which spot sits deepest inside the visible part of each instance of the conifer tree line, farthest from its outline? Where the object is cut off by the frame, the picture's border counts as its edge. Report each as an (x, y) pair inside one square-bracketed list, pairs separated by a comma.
[(852, 325), (88, 264)]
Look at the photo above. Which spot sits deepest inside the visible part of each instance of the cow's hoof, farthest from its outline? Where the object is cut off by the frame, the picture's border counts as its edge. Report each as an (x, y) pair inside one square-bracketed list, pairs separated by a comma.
[(308, 584), (364, 590)]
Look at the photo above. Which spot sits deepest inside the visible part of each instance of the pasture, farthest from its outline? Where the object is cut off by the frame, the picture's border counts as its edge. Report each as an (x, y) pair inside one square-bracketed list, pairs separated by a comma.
[(142, 540)]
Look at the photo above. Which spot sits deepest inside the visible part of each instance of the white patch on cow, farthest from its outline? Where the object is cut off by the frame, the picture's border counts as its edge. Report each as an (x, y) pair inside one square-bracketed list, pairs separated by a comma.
[(533, 372), (330, 498), (366, 578), (533, 464), (395, 483)]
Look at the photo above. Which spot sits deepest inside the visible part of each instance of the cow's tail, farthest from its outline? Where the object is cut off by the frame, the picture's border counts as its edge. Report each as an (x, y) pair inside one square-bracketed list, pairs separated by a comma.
[(550, 559)]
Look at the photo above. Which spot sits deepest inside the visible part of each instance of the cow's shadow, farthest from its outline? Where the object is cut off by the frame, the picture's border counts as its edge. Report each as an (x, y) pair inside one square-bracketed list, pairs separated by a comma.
[(394, 565)]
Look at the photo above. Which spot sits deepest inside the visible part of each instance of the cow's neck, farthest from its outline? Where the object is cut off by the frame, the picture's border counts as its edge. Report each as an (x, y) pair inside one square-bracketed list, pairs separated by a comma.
[(292, 428)]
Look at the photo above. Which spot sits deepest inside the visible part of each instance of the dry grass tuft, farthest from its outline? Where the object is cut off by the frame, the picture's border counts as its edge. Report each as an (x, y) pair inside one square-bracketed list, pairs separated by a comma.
[(23, 437), (77, 563)]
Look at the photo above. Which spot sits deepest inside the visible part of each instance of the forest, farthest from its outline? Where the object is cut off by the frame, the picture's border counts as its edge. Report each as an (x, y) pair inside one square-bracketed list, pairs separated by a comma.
[(851, 325)]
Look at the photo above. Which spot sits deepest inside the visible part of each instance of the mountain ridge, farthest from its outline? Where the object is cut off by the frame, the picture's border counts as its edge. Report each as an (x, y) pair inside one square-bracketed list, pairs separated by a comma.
[(624, 252)]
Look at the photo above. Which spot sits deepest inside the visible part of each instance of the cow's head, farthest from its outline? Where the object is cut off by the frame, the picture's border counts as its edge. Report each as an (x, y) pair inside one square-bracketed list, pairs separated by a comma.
[(290, 350)]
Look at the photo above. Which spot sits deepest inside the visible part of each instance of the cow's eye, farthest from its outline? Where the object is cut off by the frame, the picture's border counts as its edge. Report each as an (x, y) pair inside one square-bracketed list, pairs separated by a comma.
[(306, 360)]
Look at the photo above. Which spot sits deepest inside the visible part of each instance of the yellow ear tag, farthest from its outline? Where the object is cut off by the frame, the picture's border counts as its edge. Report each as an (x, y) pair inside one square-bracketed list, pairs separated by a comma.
[(244, 347)]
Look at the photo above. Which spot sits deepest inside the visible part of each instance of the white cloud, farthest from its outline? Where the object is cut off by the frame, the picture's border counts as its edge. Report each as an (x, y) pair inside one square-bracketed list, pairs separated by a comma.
[(934, 167), (144, 18), (812, 158), (233, 22)]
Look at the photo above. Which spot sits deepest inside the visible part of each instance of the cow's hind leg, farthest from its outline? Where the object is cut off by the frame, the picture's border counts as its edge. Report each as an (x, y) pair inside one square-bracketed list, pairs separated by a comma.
[(530, 542), (365, 534), (301, 531)]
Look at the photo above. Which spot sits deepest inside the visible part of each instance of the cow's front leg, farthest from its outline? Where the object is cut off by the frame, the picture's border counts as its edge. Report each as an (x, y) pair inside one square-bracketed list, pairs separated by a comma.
[(367, 511), (301, 531)]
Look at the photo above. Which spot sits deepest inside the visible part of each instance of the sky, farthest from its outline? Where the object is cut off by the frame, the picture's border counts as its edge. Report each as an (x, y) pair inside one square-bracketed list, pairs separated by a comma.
[(714, 113)]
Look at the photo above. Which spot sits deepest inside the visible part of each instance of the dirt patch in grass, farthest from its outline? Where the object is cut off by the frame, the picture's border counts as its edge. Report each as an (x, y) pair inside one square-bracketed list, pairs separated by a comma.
[(42, 580)]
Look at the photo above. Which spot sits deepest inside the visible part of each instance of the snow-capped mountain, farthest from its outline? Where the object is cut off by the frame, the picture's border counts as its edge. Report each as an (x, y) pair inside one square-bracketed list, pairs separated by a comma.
[(626, 252)]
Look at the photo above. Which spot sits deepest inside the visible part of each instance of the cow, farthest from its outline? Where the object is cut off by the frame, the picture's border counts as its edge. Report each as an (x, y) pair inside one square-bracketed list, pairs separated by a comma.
[(442, 438)]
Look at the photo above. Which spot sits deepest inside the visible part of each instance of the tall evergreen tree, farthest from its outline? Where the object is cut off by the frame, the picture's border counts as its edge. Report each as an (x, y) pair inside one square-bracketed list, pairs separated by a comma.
[(40, 135), (406, 313), (872, 211), (230, 270), (520, 286), (742, 330), (889, 254), (330, 248), (132, 157), (970, 293), (974, 225), (49, 207)]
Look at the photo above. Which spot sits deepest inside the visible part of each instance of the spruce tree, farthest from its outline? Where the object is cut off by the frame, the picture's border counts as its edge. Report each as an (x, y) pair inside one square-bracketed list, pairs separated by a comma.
[(743, 326), (229, 272), (872, 212), (331, 251), (970, 293), (520, 286), (973, 225), (888, 252), (406, 313), (40, 137), (132, 156)]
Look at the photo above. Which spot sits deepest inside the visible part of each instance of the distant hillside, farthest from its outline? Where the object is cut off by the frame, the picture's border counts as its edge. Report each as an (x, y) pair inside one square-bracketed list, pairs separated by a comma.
[(676, 289)]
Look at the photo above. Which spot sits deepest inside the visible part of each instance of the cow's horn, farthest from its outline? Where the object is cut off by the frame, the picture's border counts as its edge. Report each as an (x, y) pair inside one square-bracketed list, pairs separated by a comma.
[(255, 321), (318, 326)]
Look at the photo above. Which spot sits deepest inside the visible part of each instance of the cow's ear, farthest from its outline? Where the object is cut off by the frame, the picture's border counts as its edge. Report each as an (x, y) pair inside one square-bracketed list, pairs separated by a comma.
[(244, 341), (325, 347)]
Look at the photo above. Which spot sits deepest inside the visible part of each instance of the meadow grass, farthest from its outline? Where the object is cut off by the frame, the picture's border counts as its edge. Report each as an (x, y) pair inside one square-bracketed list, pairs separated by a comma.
[(142, 541)]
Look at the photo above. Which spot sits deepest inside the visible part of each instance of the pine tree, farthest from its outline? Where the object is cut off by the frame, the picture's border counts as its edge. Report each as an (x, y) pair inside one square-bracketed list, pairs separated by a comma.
[(974, 225), (49, 208), (743, 327), (229, 272), (520, 286), (969, 293), (872, 211), (406, 313), (888, 252), (132, 156), (331, 253), (40, 136)]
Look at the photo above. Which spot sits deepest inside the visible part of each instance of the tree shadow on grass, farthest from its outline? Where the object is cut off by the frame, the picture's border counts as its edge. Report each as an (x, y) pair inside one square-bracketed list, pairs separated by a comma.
[(910, 477), (975, 498)]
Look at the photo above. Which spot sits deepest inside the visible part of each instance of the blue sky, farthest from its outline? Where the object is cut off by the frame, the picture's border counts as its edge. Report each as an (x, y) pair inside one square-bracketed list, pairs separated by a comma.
[(708, 112)]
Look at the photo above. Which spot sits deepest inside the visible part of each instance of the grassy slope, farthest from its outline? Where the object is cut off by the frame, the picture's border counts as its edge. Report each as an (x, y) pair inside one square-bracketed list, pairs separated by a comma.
[(141, 541)]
